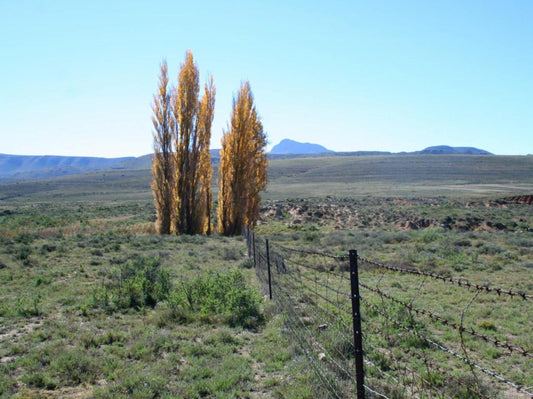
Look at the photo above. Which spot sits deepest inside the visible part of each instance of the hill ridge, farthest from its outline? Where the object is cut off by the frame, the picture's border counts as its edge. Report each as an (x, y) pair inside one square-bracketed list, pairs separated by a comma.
[(23, 167), (288, 146)]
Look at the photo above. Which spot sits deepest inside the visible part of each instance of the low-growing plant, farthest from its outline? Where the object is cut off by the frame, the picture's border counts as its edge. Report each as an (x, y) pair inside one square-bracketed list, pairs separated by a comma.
[(75, 367), (139, 282), (28, 307), (22, 253), (487, 324), (215, 295)]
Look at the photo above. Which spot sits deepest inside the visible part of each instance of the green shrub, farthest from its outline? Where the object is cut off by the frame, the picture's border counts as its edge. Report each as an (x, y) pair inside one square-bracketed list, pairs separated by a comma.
[(489, 248), (46, 248), (31, 309), (22, 253), (140, 282), (7, 386), (223, 295), (75, 367), (40, 280), (40, 380), (487, 324), (135, 383), (230, 253), (24, 238), (143, 283)]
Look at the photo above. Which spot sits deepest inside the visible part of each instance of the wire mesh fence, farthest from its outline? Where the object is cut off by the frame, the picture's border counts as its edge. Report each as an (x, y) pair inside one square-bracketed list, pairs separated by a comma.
[(414, 343)]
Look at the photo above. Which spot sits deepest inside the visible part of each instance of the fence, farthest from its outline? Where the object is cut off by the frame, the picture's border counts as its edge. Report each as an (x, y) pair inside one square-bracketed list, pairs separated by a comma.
[(404, 342)]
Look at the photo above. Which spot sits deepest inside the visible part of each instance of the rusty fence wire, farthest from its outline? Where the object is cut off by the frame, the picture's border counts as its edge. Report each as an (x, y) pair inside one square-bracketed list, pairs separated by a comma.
[(413, 344)]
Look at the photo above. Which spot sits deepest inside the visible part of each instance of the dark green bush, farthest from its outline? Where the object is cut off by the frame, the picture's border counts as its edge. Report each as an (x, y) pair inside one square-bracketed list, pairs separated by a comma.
[(45, 248), (40, 380), (222, 295), (24, 238), (143, 283), (75, 367), (22, 253), (140, 282), (489, 248)]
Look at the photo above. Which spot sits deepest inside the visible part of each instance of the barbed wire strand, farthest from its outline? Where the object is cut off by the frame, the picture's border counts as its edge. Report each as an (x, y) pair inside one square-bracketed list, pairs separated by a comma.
[(312, 252), (295, 280), (458, 327), (311, 358), (445, 349), (458, 282), (375, 392), (426, 361)]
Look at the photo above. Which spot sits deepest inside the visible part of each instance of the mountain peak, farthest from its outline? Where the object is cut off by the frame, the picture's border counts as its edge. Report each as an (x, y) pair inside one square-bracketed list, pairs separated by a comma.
[(445, 149), (288, 146)]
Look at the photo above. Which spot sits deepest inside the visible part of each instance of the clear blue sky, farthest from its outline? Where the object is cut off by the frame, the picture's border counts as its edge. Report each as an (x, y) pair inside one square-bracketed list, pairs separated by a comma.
[(77, 77)]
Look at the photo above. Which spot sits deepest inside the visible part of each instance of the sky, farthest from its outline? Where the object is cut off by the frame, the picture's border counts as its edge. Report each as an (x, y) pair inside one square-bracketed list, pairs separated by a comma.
[(78, 77)]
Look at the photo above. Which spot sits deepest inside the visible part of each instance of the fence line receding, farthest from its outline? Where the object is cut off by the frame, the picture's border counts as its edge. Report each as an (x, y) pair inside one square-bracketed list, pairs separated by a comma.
[(391, 335)]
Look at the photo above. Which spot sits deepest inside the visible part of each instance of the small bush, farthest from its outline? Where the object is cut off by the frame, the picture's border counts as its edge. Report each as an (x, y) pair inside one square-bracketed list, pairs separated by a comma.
[(7, 386), (46, 248), (487, 324), (40, 280), (230, 253), (221, 295), (143, 283), (40, 380), (134, 383), (75, 367), (140, 282), (24, 238), (527, 264), (22, 253), (25, 309), (96, 252), (488, 248)]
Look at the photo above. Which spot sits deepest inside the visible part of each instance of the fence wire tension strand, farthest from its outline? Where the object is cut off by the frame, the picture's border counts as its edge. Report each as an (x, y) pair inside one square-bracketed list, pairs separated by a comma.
[(365, 335)]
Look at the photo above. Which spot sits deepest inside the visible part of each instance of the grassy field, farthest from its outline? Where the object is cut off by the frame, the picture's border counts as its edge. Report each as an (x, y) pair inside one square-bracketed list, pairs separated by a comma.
[(341, 176), (94, 304)]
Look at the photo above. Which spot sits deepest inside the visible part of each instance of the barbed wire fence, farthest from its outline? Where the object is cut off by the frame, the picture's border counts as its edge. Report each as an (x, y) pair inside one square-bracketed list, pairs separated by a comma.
[(371, 330)]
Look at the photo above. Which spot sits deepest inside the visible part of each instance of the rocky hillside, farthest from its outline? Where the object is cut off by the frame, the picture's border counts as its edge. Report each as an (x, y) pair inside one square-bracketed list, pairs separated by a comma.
[(394, 214)]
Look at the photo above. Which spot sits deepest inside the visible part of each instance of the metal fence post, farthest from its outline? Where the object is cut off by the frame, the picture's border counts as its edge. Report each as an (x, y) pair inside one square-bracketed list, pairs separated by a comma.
[(248, 243), (253, 247), (269, 274), (357, 333)]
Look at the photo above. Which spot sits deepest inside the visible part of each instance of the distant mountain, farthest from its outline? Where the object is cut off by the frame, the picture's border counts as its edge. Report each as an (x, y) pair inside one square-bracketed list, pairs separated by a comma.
[(287, 146), (23, 167), (39, 166), (145, 161), (444, 149)]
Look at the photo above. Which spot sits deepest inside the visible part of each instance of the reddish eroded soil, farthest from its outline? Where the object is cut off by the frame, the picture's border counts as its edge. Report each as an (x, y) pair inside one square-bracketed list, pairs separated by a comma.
[(393, 214), (523, 199)]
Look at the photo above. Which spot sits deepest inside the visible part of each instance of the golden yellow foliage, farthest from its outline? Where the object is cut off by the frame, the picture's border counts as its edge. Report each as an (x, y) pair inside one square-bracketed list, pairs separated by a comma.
[(243, 166), (205, 120), (162, 161), (191, 130)]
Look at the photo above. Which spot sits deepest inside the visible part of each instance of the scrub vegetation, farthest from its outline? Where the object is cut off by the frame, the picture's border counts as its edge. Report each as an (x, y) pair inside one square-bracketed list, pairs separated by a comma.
[(95, 303)]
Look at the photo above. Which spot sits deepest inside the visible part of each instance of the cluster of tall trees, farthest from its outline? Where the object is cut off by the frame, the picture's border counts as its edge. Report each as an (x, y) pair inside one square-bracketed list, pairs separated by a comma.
[(181, 165)]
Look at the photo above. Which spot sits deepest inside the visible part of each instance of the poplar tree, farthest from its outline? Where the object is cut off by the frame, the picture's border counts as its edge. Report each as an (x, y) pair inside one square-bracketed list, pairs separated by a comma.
[(162, 161), (191, 130), (243, 166), (205, 120)]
